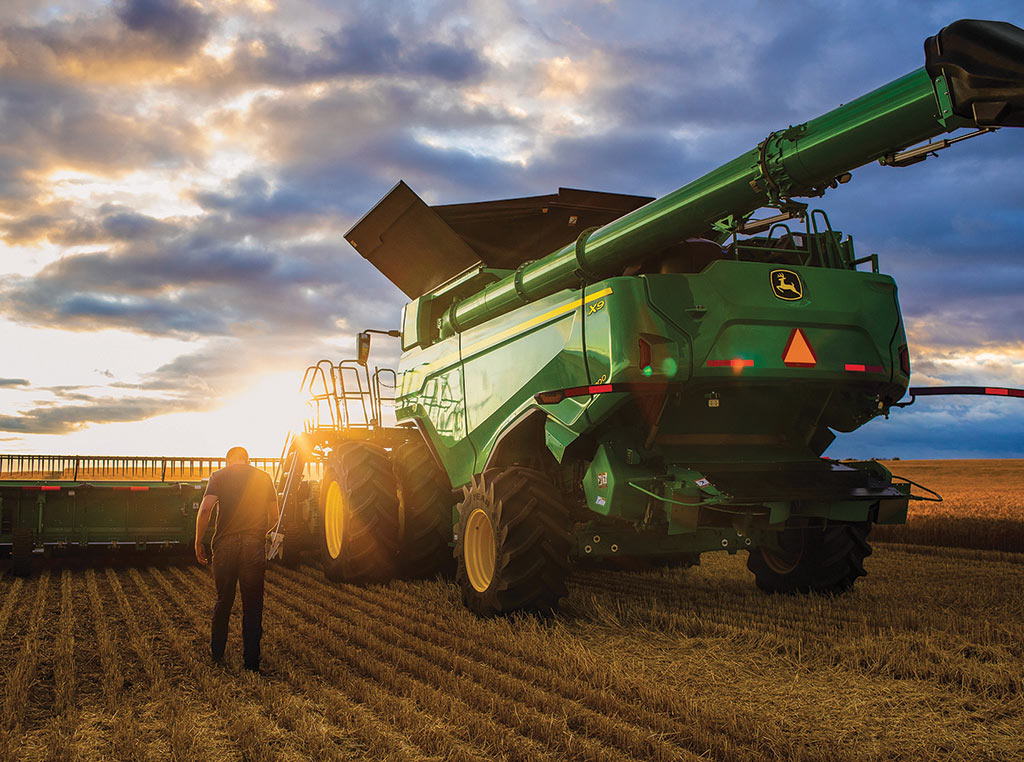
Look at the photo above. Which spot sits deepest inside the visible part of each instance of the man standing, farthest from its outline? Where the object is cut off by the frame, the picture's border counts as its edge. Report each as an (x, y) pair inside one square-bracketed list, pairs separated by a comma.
[(246, 503)]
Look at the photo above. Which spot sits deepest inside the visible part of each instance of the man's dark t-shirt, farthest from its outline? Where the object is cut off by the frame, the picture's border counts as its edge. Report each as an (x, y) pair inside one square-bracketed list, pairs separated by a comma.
[(243, 493)]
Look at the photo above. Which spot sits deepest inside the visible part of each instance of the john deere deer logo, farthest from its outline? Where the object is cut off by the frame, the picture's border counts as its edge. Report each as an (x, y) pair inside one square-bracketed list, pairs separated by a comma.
[(786, 285)]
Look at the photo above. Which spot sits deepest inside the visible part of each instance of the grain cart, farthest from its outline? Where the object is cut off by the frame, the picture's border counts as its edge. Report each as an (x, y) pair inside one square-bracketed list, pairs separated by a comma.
[(665, 381)]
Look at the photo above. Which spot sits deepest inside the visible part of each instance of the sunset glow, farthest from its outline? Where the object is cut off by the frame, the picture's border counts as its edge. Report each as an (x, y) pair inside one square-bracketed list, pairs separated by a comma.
[(176, 179)]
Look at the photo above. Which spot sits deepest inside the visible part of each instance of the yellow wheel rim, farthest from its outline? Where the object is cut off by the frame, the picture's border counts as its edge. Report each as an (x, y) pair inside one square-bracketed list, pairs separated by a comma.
[(334, 519), (479, 550)]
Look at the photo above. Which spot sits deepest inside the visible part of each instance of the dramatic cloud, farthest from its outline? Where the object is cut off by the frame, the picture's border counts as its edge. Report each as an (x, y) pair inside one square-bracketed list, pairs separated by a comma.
[(63, 419), (186, 171), (179, 26)]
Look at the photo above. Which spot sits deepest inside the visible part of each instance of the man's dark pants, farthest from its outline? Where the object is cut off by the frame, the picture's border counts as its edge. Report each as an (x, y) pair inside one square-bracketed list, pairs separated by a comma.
[(239, 559)]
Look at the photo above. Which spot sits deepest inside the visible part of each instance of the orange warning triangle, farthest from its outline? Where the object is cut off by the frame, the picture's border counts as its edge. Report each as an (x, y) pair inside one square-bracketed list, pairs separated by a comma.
[(798, 352)]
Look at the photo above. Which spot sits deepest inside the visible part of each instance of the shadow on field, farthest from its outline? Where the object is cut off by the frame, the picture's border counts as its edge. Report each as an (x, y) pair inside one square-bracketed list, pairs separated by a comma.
[(77, 559)]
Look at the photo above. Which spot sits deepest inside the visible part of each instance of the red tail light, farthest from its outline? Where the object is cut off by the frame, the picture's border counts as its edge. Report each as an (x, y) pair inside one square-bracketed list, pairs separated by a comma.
[(736, 362)]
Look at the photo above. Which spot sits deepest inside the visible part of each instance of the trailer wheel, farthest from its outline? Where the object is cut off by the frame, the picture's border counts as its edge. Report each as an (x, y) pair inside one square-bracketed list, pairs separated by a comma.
[(512, 543), (812, 560), (22, 541), (359, 515), (425, 503)]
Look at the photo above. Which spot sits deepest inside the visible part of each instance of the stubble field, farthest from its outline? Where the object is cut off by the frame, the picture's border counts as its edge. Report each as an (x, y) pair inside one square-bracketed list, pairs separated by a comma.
[(924, 660)]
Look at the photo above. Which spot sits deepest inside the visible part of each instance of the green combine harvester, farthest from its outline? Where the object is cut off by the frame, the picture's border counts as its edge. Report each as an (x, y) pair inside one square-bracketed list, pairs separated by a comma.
[(664, 382), (623, 380)]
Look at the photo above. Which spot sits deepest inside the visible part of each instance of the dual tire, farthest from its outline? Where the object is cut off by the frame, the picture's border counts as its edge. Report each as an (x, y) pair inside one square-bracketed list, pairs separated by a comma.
[(359, 516), (384, 515), (425, 505)]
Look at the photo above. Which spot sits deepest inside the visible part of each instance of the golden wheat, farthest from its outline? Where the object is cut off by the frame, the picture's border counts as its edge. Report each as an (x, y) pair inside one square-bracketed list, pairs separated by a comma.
[(923, 660), (982, 507)]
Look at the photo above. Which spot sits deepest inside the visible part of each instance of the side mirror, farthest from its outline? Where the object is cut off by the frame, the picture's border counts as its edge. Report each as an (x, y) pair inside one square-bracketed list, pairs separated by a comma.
[(363, 346)]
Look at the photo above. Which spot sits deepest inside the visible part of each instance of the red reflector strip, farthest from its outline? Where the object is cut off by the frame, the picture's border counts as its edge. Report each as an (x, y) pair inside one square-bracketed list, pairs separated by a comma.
[(555, 396), (41, 487), (736, 362), (139, 489), (865, 368), (1005, 392), (995, 391)]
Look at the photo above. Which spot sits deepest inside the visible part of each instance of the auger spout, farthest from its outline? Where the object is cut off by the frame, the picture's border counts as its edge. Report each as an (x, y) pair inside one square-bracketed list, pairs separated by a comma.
[(973, 77)]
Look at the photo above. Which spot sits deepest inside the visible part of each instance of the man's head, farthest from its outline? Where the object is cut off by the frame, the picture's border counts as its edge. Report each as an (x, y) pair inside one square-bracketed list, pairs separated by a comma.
[(237, 455)]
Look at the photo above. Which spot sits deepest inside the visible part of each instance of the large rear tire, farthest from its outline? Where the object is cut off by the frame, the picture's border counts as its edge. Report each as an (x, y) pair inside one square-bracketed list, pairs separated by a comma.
[(812, 560), (359, 516), (512, 543), (425, 504)]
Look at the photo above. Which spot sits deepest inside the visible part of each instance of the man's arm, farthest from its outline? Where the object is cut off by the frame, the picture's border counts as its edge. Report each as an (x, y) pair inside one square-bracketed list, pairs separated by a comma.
[(202, 522)]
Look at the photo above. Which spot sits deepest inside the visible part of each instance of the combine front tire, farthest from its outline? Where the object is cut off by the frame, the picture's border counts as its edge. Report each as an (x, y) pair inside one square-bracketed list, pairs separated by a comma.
[(512, 543), (425, 512), (359, 516), (812, 560)]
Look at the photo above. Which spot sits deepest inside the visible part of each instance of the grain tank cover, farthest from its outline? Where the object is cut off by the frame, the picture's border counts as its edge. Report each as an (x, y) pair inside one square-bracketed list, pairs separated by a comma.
[(419, 247), (507, 233)]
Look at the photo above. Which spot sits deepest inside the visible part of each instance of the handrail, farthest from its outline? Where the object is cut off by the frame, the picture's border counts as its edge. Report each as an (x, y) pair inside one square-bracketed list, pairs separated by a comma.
[(117, 467)]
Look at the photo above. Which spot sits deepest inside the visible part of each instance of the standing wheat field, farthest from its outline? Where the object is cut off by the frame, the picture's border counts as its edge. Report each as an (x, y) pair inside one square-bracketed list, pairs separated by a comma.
[(923, 660)]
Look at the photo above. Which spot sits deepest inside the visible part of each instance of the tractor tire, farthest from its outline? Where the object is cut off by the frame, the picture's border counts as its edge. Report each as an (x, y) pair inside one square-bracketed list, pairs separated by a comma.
[(813, 560), (359, 516), (425, 504), (296, 533), (512, 543), (22, 542)]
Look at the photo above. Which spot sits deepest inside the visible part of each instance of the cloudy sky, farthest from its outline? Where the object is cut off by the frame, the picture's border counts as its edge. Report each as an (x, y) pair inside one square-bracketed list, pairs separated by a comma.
[(176, 178)]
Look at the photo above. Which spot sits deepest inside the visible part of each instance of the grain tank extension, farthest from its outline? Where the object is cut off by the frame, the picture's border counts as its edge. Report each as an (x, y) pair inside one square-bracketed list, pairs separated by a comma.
[(664, 381)]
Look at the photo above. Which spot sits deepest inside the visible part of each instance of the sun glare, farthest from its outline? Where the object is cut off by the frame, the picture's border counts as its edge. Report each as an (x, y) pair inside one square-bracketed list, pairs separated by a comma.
[(260, 417)]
